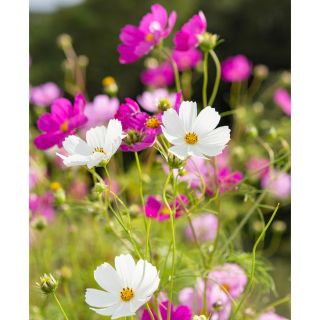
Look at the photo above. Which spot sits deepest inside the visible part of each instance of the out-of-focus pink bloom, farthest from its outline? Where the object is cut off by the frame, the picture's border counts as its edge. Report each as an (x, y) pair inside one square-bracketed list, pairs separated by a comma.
[(136, 125), (36, 173), (205, 227), (271, 316), (44, 94), (156, 209), (152, 101), (139, 41), (114, 187), (282, 98), (258, 167), (159, 76), (78, 189), (278, 183), (218, 304), (187, 60), (188, 36), (42, 205), (236, 68), (230, 277), (101, 110), (63, 120), (180, 312)]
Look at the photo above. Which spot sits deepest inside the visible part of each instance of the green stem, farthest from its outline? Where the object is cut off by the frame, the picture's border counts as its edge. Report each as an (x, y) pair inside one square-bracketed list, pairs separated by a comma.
[(218, 77), (60, 306), (150, 312), (253, 263), (205, 79)]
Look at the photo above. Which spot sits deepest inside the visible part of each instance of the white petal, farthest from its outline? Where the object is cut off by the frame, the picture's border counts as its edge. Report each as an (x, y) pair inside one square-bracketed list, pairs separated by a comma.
[(95, 159), (75, 160), (122, 311), (100, 299), (219, 136), (75, 145), (211, 150), (172, 123), (107, 311), (96, 136), (206, 121), (194, 150), (188, 114), (181, 151), (108, 279), (125, 267), (172, 139), (135, 304), (114, 131), (111, 148)]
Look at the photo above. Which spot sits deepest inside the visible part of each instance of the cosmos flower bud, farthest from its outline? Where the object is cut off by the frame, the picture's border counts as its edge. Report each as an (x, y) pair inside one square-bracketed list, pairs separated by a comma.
[(208, 41), (286, 78), (110, 86), (83, 61), (39, 223), (48, 284), (272, 134), (65, 273), (257, 226), (100, 187), (252, 132), (261, 71), (174, 162), (64, 41), (60, 196), (279, 226)]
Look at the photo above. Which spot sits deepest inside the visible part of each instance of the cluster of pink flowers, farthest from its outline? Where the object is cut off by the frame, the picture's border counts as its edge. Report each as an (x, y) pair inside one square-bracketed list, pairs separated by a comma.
[(45, 94), (224, 282)]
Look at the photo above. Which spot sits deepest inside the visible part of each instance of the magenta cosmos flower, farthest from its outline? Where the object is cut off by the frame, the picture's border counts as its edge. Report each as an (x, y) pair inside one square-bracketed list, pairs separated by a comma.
[(159, 100), (63, 120), (180, 312), (205, 227), (236, 68), (156, 209), (271, 316), (42, 206), (188, 36), (282, 98), (139, 41), (101, 110), (159, 76), (278, 183), (141, 129), (218, 304), (230, 277), (187, 60), (44, 94)]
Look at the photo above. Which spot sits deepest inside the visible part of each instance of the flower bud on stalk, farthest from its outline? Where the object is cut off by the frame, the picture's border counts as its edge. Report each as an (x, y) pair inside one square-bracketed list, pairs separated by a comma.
[(100, 187), (252, 132), (60, 196), (110, 86), (64, 41), (39, 223), (279, 226), (272, 134), (208, 41), (286, 78), (174, 162), (48, 284), (65, 273), (83, 61), (261, 71)]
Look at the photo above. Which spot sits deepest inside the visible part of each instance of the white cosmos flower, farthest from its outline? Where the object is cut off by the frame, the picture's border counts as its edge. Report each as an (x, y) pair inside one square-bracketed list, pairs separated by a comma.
[(125, 288), (102, 143), (193, 135)]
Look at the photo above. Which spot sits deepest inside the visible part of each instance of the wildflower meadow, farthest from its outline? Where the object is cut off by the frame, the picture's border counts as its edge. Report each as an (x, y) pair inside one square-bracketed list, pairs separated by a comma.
[(173, 204)]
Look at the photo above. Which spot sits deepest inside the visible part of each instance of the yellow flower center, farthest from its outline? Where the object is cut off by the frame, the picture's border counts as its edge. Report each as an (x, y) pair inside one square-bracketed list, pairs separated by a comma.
[(191, 138), (107, 81), (55, 186), (153, 123), (126, 294), (149, 37), (225, 287), (99, 149), (64, 126)]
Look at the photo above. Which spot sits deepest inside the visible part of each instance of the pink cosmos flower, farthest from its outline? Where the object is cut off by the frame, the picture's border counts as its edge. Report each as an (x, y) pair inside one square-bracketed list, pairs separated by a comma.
[(271, 316), (44, 94), (139, 41), (152, 101), (159, 76), (236, 68), (230, 277), (205, 227), (278, 183), (101, 110), (141, 130), (282, 98), (187, 60), (218, 304), (42, 205), (63, 120), (188, 37), (156, 209), (78, 189), (180, 312), (258, 167)]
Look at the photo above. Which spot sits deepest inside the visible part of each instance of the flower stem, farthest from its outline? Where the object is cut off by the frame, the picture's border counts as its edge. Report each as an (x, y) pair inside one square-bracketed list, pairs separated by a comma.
[(150, 312), (60, 306), (205, 79), (218, 77)]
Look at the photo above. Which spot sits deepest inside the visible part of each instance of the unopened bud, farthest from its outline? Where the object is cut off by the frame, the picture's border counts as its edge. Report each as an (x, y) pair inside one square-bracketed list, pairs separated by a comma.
[(110, 86), (257, 226), (286, 78), (64, 41), (65, 273), (151, 63), (252, 131), (272, 134), (208, 41), (60, 196), (39, 223), (48, 284), (100, 187), (134, 210), (83, 61), (261, 71), (174, 162), (279, 226)]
